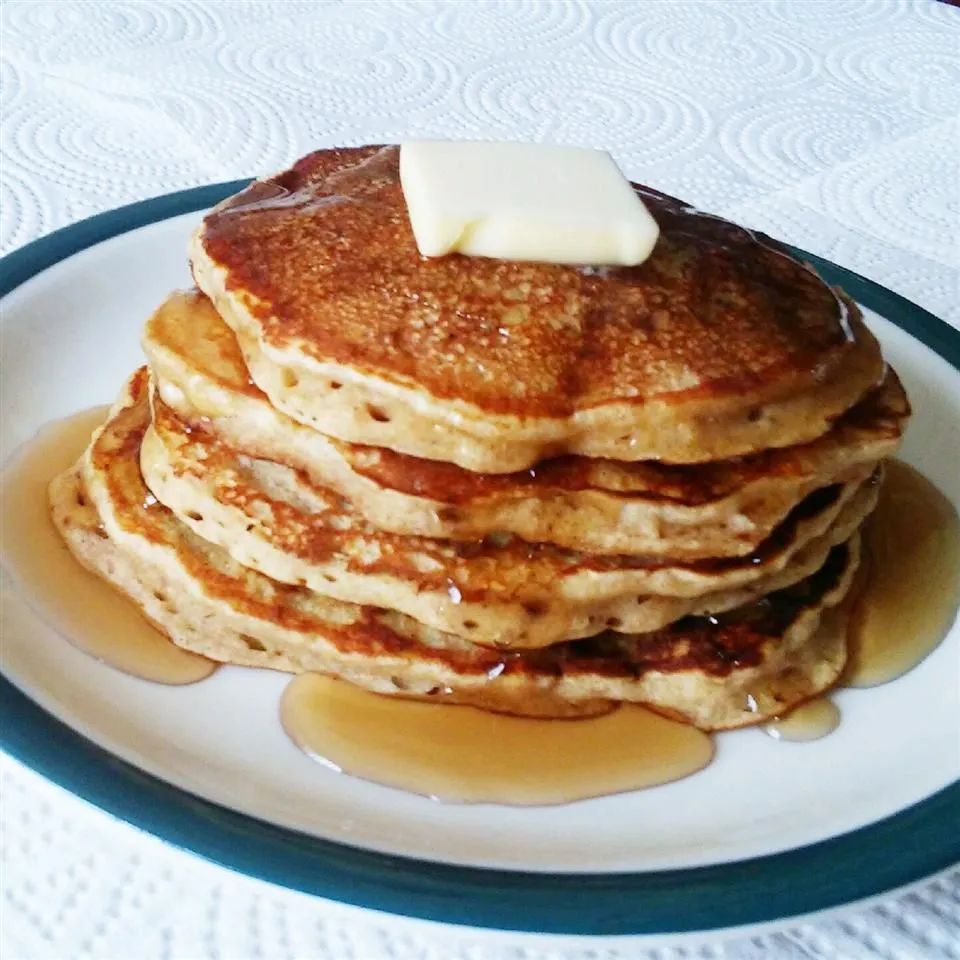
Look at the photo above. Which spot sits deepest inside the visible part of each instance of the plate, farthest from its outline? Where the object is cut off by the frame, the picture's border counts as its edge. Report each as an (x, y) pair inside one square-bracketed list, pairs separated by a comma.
[(768, 831)]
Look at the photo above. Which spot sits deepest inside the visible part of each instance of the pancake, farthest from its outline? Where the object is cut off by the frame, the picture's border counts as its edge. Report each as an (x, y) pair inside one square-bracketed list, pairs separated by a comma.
[(503, 591), (717, 346), (719, 509), (740, 668)]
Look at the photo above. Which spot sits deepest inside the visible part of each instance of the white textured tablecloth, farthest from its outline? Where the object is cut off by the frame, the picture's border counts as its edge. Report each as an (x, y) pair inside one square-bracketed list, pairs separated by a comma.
[(833, 124)]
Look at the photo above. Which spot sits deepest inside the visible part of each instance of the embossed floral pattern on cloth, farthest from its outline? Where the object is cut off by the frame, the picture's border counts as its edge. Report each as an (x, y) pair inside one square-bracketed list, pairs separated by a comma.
[(832, 124)]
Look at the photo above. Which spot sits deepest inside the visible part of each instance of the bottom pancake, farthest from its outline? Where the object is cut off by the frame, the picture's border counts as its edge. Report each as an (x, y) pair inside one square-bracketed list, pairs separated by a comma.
[(715, 672)]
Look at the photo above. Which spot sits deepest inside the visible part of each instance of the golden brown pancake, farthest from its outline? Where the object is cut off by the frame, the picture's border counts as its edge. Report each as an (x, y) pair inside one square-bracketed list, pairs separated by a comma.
[(738, 668), (719, 345), (502, 591), (718, 509)]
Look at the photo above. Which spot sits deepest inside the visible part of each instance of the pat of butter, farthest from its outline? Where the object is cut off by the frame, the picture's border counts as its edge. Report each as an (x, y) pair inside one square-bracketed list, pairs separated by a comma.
[(523, 201)]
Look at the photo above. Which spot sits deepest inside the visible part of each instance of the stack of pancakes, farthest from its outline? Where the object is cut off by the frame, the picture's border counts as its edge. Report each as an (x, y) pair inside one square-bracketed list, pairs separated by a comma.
[(530, 487)]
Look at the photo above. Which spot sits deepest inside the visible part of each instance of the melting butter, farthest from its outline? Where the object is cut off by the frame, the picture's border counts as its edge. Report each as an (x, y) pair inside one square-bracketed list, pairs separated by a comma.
[(523, 201)]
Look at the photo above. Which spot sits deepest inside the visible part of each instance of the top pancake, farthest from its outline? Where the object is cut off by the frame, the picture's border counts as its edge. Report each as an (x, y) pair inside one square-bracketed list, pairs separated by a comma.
[(717, 346)]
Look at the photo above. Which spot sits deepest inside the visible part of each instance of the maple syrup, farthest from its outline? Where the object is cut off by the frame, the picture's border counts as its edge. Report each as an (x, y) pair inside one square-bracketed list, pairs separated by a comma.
[(908, 586), (810, 721), (80, 606), (465, 755), (904, 605), (906, 597)]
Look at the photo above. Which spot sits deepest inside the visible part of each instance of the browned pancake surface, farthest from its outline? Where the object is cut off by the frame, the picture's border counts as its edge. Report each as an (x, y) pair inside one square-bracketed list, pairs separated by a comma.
[(326, 251)]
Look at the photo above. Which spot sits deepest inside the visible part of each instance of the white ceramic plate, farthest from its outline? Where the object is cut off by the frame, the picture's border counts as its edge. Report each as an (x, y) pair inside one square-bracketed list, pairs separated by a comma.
[(70, 337)]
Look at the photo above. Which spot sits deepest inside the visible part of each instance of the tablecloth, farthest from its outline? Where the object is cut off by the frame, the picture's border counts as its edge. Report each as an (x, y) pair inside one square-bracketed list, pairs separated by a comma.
[(832, 124)]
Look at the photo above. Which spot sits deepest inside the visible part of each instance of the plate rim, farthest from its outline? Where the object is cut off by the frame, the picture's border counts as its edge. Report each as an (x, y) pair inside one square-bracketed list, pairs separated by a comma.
[(792, 883)]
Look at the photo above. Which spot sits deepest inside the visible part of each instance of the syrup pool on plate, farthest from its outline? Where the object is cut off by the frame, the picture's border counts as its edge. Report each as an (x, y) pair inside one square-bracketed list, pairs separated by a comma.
[(466, 755), (904, 599), (810, 721), (79, 605), (908, 587)]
